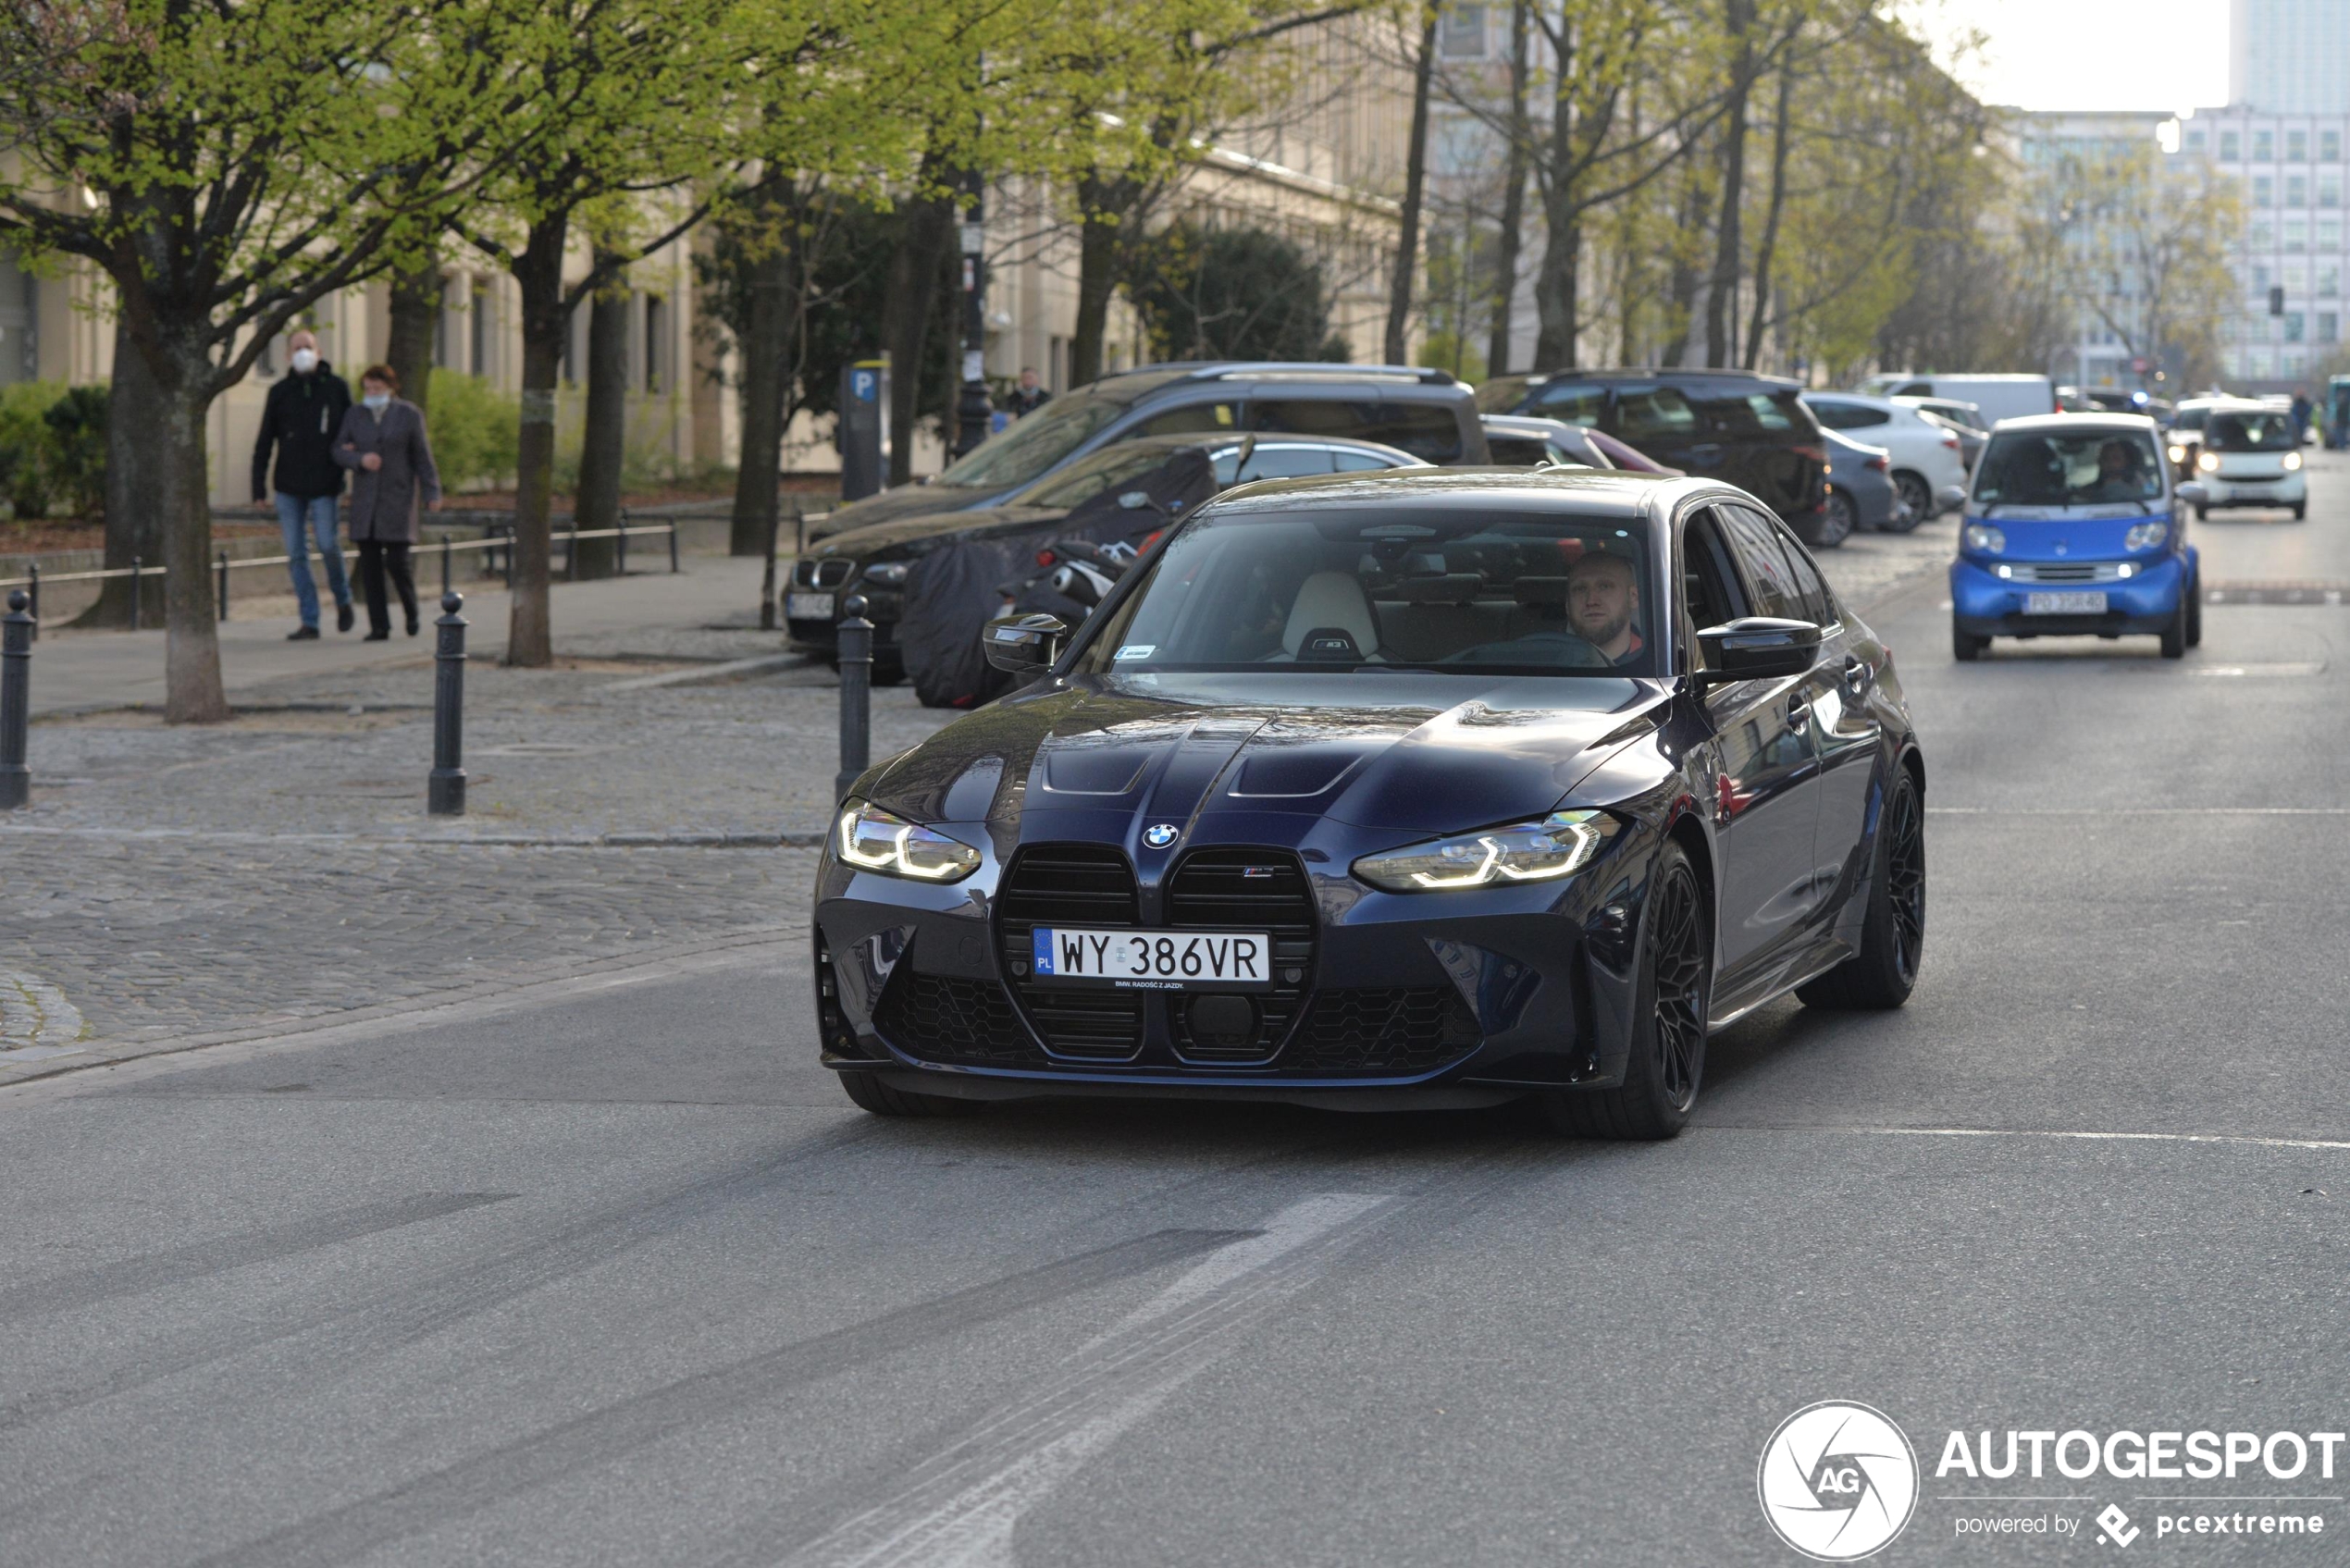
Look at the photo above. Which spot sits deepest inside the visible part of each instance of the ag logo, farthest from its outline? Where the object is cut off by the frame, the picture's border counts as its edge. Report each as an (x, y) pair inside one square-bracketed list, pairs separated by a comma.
[(1159, 835), (1837, 1481)]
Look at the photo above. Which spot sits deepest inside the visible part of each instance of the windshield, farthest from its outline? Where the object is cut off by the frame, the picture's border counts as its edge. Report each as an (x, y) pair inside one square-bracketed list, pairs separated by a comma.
[(1489, 593), (2189, 418), (2250, 432), (1034, 444), (1502, 394), (2069, 468), (1089, 476)]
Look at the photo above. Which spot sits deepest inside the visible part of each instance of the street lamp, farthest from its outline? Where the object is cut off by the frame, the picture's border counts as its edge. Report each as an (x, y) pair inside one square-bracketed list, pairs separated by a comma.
[(974, 410)]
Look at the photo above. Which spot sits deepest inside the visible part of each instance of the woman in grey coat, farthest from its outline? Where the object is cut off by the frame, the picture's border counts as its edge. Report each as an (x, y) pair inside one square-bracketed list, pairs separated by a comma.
[(383, 444)]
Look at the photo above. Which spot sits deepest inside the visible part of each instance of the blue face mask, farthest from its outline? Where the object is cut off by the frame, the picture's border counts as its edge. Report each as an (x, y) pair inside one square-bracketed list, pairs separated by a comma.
[(378, 402)]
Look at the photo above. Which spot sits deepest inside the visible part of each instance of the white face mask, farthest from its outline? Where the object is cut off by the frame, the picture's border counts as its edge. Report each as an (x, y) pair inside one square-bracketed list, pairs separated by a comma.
[(378, 402), (305, 360)]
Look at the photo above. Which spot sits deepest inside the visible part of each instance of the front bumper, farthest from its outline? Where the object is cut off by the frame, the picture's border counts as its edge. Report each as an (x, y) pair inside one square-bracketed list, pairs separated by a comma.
[(1454, 999), (1985, 604), (2282, 489)]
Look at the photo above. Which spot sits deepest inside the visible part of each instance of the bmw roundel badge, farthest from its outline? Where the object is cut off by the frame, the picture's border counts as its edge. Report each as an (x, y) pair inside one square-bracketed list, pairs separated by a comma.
[(1159, 834)]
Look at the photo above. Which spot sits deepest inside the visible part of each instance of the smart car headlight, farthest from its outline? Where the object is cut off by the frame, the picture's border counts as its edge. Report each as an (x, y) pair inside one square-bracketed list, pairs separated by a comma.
[(2207, 461), (1985, 540), (2178, 452), (1558, 846), (2292, 461), (873, 840), (2146, 535)]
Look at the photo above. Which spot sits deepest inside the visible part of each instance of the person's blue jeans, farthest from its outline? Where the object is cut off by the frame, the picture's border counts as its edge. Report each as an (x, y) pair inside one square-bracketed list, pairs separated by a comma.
[(299, 517)]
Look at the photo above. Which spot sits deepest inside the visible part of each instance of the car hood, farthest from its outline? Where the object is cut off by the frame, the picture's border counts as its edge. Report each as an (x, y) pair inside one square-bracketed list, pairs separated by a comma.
[(2075, 533), (1261, 757), (906, 500), (912, 535)]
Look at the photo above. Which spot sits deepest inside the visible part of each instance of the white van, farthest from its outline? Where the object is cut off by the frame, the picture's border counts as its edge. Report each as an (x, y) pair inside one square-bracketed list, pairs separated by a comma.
[(1999, 397)]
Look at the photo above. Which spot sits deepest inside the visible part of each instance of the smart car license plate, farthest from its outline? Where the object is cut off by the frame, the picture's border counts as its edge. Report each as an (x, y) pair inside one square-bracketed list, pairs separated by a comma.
[(1153, 960), (807, 607), (2064, 604)]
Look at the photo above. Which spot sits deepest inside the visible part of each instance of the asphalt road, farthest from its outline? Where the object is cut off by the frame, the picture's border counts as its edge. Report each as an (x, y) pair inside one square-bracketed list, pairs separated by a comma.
[(609, 1273)]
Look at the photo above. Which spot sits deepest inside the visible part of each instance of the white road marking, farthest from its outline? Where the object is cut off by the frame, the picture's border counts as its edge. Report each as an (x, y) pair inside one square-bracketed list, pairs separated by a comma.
[(960, 1508), (2238, 1140), (36, 1021), (2138, 810)]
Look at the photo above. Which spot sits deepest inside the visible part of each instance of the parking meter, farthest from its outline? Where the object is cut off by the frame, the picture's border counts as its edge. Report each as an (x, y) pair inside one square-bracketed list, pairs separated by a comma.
[(864, 427)]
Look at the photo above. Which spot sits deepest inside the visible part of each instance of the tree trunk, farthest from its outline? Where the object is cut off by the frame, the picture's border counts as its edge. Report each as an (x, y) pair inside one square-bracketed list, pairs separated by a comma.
[(1686, 279), (416, 311), (1407, 239), (1729, 241), (192, 692), (545, 320), (763, 372), (1103, 206), (134, 524), (604, 444), (926, 229), (1555, 301), (1511, 238), (1766, 248)]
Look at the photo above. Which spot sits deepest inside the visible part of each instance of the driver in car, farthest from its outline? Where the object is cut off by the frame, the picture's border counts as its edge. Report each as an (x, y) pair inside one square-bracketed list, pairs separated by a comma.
[(2118, 475), (1603, 595)]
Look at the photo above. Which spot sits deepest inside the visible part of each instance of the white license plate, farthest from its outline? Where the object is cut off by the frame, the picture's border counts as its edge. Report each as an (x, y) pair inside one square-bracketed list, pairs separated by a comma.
[(807, 607), (1153, 960), (2064, 604)]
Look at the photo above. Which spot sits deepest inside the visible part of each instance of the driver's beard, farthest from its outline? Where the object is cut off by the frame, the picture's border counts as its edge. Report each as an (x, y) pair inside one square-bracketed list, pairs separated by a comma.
[(1601, 635)]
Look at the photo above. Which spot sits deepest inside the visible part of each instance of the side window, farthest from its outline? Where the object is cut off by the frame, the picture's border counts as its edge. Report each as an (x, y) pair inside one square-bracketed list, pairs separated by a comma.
[(1733, 411), (1819, 606), (1349, 461), (1770, 582), (1314, 417), (1846, 416), (1195, 419), (1426, 430), (1514, 451), (1653, 413), (1573, 403), (1285, 460), (1710, 594)]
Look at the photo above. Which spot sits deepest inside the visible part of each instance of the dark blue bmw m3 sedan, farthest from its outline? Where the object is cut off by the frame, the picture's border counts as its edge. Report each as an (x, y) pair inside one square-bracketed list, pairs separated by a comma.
[(1436, 788)]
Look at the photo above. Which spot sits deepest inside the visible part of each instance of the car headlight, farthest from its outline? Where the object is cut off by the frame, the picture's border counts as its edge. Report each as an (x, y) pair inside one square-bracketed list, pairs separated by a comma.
[(2146, 535), (2209, 462), (2178, 454), (873, 840), (1983, 539), (2292, 461), (886, 572), (1558, 846)]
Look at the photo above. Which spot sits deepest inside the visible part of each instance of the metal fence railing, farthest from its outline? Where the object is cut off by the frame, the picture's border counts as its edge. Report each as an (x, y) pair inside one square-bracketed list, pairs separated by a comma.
[(497, 545)]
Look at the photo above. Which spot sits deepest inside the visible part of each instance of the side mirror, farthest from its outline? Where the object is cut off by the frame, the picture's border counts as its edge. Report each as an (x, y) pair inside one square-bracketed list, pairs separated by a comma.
[(1757, 647), (1024, 645), (1950, 497), (1134, 501), (2191, 493)]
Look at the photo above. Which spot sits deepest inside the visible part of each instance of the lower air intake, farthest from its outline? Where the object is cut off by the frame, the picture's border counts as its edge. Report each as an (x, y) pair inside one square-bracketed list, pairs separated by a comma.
[(1389, 1032)]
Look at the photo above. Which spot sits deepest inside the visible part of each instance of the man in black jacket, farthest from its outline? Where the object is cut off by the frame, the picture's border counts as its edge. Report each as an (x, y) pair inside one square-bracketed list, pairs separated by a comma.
[(305, 410)]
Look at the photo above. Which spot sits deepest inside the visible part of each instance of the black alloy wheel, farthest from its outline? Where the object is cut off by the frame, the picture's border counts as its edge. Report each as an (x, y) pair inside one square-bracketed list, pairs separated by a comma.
[(1917, 492), (2194, 611), (1884, 973), (2174, 636), (1665, 1065)]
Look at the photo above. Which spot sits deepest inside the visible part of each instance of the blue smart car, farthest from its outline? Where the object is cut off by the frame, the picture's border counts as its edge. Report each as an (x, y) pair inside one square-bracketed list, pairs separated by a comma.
[(2073, 527)]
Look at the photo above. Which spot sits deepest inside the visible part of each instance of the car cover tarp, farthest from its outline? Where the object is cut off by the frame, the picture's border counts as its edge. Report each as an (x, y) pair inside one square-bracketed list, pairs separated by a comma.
[(956, 588)]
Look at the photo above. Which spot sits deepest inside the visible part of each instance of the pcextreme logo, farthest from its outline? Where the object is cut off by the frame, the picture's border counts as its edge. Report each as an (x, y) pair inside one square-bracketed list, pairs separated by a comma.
[(1839, 1481)]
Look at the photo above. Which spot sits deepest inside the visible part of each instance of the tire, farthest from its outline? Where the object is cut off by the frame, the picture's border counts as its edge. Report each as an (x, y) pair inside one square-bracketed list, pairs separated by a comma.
[(1917, 492), (1965, 646), (1884, 973), (1839, 520), (1904, 521), (1667, 1064), (2203, 514), (2194, 611), (871, 1094), (2174, 636), (2301, 513)]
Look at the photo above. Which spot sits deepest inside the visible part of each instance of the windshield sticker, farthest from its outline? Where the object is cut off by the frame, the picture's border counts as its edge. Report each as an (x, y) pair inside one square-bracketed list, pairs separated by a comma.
[(1137, 650)]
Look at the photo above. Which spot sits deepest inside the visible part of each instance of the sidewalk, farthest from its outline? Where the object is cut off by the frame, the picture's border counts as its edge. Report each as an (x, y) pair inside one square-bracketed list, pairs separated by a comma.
[(76, 671)]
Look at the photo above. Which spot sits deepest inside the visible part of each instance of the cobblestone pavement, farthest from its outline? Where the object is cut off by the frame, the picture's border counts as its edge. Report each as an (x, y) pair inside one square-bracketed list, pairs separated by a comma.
[(174, 882)]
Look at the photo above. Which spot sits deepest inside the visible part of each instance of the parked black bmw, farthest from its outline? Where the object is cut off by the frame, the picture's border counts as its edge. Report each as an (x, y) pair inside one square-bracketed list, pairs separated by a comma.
[(1423, 788)]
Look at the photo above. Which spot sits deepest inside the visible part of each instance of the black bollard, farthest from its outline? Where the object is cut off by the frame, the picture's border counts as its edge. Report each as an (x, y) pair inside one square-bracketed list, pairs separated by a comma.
[(447, 547), (15, 701), (767, 578), (571, 554), (445, 795), (137, 593), (620, 543), (673, 547), (855, 696), (224, 585), (33, 572)]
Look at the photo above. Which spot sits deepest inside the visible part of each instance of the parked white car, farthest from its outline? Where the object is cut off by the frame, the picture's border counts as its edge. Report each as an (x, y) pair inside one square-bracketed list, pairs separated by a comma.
[(1926, 454)]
